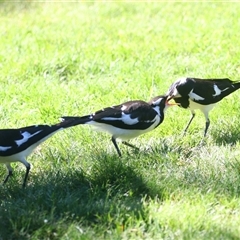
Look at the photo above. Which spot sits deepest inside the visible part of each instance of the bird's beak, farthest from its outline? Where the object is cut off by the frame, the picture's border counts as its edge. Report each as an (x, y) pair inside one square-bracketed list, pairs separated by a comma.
[(169, 98), (171, 104)]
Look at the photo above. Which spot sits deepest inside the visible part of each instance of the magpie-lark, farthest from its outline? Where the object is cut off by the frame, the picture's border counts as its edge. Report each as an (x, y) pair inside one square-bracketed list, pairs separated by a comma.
[(202, 94), (17, 144), (127, 120)]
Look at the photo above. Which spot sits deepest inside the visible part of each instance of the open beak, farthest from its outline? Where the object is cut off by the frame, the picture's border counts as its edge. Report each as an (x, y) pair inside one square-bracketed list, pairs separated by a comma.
[(171, 104), (169, 98)]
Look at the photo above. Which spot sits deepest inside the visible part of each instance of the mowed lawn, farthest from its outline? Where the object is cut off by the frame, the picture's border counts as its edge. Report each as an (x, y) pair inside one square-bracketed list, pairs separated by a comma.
[(61, 58)]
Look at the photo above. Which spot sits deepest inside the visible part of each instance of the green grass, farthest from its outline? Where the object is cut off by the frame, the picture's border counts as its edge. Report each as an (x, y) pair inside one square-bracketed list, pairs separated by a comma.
[(74, 58)]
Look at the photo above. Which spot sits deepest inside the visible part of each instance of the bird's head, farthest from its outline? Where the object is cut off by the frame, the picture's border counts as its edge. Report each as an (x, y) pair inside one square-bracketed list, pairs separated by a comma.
[(181, 88), (161, 102)]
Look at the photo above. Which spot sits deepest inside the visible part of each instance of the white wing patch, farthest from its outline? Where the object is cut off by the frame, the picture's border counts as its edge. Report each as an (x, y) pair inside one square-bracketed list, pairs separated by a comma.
[(194, 96), (128, 120), (124, 107), (4, 148), (217, 90), (225, 89), (26, 135), (125, 118)]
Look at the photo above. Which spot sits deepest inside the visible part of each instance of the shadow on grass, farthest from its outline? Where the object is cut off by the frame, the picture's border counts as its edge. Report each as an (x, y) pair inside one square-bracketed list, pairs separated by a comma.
[(108, 196), (229, 137)]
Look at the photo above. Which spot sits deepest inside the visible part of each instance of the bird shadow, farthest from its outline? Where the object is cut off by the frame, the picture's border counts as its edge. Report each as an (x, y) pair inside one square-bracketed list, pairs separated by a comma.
[(76, 195), (227, 137), (95, 196)]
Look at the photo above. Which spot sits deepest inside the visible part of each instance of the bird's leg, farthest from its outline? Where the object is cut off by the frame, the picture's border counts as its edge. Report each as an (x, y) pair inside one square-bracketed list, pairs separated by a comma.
[(130, 145), (116, 146), (206, 127), (207, 122), (10, 172), (9, 175), (26, 175), (192, 117)]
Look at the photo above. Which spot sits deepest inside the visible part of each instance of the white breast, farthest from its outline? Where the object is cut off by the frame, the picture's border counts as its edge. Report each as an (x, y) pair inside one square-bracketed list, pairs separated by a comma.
[(124, 134), (203, 108)]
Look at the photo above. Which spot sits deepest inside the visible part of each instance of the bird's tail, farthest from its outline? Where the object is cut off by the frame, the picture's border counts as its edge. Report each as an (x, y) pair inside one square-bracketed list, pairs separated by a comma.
[(236, 84), (68, 121)]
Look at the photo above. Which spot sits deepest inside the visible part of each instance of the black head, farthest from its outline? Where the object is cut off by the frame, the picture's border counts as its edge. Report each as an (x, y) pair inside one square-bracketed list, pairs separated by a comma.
[(160, 102), (181, 88), (182, 102)]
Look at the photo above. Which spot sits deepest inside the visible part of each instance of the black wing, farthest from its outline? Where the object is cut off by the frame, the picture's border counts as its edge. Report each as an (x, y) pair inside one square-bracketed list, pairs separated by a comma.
[(218, 81), (205, 89), (206, 86), (129, 115), (13, 141)]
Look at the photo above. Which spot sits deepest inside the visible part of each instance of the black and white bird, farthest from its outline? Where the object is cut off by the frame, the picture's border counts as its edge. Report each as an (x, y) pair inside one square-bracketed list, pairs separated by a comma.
[(17, 144), (128, 120), (202, 94)]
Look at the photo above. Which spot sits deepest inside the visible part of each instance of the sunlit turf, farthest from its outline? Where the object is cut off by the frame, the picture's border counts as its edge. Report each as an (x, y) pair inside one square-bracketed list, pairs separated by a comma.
[(74, 58)]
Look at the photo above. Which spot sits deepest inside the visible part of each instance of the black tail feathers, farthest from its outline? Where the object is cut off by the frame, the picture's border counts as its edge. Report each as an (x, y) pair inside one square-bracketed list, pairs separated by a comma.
[(69, 121), (236, 84)]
